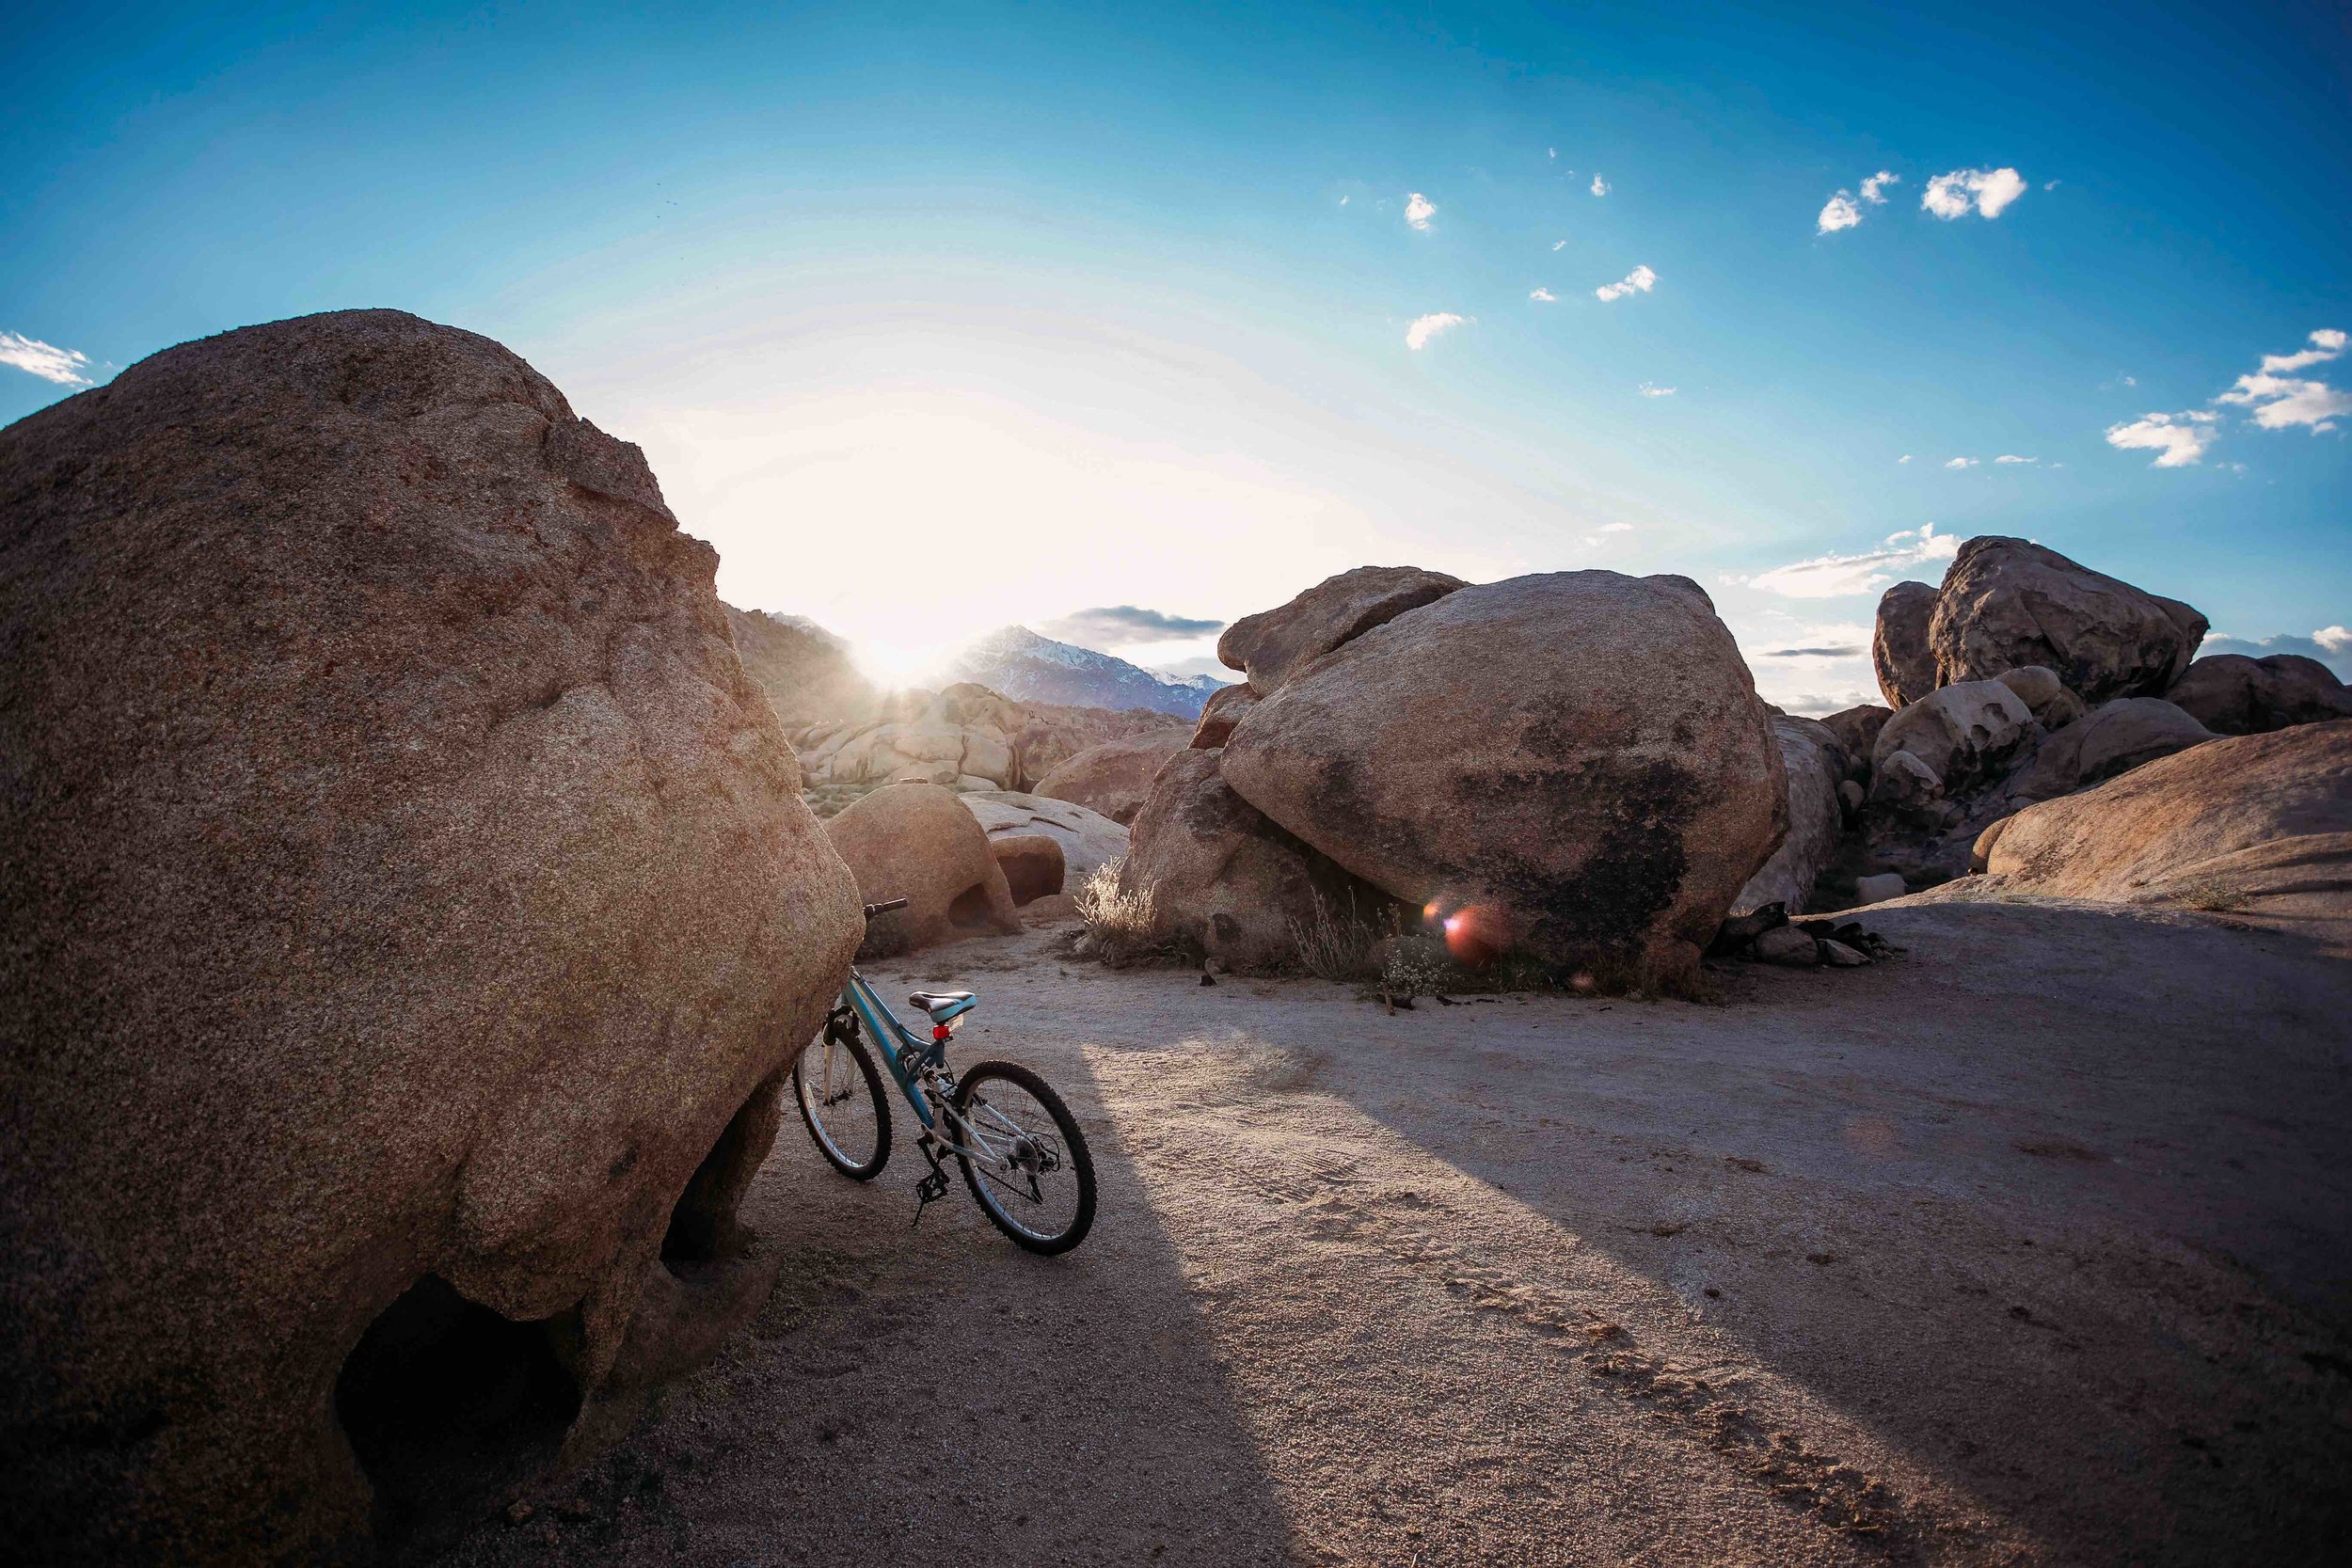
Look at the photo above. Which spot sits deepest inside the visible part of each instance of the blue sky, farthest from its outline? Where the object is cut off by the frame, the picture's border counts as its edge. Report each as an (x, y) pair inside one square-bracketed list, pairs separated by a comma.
[(1075, 309)]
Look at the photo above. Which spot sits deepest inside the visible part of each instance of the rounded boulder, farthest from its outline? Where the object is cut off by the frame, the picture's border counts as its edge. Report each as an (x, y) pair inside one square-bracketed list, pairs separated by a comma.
[(1580, 757)]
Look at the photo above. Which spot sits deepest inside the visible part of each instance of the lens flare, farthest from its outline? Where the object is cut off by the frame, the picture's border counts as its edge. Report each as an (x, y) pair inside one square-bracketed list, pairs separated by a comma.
[(1476, 934)]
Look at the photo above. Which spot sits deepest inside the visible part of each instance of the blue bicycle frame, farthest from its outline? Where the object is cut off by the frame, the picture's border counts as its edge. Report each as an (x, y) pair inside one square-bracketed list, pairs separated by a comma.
[(903, 1051)]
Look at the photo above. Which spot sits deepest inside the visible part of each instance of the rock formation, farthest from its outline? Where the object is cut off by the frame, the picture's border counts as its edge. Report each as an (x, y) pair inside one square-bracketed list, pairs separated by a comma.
[(967, 736), (1815, 764), (1898, 643), (1032, 864), (803, 669), (1225, 883), (1114, 777), (1580, 758), (1962, 736), (2233, 694), (409, 914), (1223, 712), (2259, 825), (2117, 737), (2009, 603), (916, 842), (1088, 839), (1273, 645)]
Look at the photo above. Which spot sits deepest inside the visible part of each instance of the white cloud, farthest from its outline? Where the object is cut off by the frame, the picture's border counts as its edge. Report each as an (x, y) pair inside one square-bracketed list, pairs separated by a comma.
[(2280, 401), (1842, 211), (1640, 281), (1343, 200), (63, 366), (1962, 463), (1990, 191), (1559, 244), (1627, 528), (1426, 328), (1544, 295), (2006, 457), (2336, 639), (1650, 390), (1904, 458), (1830, 576), (1419, 209), (1600, 186), (2177, 439), (1551, 152), (2331, 645), (2131, 381)]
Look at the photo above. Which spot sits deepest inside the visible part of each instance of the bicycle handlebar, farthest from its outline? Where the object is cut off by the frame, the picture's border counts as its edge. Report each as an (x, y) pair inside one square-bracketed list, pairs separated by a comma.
[(884, 907)]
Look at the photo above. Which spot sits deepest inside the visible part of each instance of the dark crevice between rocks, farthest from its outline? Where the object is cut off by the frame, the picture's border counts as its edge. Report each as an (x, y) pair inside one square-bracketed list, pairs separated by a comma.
[(704, 1234), (446, 1405), (969, 910)]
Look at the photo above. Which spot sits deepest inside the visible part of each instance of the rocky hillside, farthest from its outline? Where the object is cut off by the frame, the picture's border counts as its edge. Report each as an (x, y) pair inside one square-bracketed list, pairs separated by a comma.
[(1032, 668), (804, 670)]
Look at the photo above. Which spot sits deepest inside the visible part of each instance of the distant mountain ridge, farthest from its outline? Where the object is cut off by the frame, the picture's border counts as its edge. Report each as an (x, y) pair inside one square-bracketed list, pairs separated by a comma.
[(1027, 667)]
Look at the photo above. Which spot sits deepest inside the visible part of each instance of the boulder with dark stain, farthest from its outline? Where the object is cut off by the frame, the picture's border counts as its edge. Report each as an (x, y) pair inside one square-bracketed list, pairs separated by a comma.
[(1898, 643), (1576, 762)]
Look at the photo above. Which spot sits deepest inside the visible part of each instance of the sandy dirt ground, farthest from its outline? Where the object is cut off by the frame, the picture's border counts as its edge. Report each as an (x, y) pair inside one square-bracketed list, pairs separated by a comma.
[(2031, 1246)]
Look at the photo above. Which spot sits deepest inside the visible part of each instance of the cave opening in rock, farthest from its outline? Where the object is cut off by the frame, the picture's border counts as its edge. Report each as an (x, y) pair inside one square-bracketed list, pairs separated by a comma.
[(702, 1228), (446, 1404), (968, 911)]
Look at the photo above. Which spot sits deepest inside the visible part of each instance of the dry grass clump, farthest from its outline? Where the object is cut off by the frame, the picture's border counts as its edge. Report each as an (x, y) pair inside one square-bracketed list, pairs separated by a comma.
[(2212, 898), (1335, 942), (1119, 928)]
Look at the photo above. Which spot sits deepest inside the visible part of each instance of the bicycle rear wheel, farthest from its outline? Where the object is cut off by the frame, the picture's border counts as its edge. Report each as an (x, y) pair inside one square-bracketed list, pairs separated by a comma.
[(839, 1091), (1033, 1175)]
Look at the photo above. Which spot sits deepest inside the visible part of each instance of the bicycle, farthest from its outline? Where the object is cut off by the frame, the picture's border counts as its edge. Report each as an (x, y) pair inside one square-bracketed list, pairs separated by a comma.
[(1022, 1155)]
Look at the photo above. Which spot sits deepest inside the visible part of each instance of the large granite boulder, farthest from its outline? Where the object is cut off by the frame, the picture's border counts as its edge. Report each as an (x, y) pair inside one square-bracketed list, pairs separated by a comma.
[(2257, 826), (1271, 645), (1087, 838), (1580, 757), (1114, 777), (2116, 738), (916, 842), (2053, 706), (409, 917), (1224, 882), (2009, 603), (1815, 761), (2233, 694), (1898, 643), (1965, 736), (1222, 711), (1857, 732)]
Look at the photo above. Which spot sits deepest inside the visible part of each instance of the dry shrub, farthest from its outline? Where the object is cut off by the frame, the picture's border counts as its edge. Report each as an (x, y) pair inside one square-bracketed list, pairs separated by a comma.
[(1120, 928), (1335, 942), (2212, 898)]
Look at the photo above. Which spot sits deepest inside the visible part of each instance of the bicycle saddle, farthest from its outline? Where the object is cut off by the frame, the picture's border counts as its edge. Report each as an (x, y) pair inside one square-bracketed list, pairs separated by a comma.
[(945, 1005)]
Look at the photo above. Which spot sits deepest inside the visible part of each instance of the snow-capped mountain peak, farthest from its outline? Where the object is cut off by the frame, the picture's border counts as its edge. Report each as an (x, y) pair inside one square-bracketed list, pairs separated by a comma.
[(1029, 668)]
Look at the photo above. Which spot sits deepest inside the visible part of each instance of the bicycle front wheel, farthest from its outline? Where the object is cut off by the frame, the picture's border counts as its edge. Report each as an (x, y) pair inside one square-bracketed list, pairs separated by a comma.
[(1029, 1166), (840, 1094)]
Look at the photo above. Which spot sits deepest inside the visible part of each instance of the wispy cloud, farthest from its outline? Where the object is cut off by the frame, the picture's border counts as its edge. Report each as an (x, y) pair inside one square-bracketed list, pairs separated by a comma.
[(1559, 244), (1419, 209), (1125, 625), (1640, 281), (1989, 191), (2279, 401), (2177, 439), (1551, 152), (1627, 528), (1904, 458), (1544, 295), (1651, 389), (2010, 457), (1830, 576), (64, 366), (1600, 186), (1843, 211), (1962, 463), (1426, 327)]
